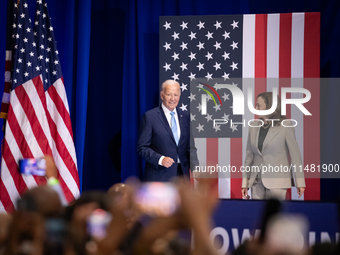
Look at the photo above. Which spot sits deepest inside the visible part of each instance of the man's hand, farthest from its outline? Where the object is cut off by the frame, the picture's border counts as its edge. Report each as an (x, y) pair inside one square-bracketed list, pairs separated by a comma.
[(167, 162), (300, 191)]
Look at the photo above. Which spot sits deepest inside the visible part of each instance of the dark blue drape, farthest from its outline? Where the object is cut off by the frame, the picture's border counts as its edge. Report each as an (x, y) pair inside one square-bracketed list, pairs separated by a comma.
[(109, 57)]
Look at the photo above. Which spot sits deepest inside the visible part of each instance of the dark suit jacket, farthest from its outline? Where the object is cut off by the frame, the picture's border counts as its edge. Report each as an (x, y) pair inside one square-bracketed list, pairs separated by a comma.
[(156, 140)]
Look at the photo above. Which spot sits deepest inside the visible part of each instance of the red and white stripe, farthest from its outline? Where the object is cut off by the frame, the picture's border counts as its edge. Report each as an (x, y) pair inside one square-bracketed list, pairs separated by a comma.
[(274, 46), (38, 124), (63, 148)]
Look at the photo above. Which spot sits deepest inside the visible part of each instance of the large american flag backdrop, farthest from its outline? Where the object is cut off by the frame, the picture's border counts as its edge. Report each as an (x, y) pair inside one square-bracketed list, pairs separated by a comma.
[(38, 116), (199, 49)]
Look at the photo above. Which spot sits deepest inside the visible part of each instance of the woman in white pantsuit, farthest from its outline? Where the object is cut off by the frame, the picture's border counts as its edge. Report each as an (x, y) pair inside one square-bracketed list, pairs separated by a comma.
[(268, 172)]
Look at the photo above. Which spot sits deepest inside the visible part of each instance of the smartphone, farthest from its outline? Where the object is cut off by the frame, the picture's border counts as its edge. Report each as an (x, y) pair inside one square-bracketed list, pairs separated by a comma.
[(97, 223), (157, 199), (32, 166), (55, 236)]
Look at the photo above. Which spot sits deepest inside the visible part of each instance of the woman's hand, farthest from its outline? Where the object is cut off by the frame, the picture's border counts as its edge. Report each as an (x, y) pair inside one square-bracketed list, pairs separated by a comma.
[(245, 193), (300, 191)]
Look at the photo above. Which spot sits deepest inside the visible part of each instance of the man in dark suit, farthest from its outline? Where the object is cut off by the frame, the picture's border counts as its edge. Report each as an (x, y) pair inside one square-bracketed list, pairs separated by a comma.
[(165, 140)]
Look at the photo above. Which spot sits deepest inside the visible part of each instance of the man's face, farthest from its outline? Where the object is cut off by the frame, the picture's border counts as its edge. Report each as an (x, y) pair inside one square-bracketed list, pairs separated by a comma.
[(170, 96)]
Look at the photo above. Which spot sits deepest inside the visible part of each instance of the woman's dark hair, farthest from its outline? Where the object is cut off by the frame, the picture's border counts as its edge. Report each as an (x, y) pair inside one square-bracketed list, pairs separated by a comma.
[(268, 99)]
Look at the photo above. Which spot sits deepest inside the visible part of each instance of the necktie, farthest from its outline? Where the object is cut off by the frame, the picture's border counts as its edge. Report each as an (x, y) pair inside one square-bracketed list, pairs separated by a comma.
[(174, 126)]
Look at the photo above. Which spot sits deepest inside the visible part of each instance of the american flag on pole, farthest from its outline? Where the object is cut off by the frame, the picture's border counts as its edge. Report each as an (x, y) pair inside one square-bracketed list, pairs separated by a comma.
[(38, 116), (199, 49)]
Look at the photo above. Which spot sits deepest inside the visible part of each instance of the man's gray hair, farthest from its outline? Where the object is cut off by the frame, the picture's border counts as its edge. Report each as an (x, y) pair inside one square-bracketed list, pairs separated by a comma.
[(169, 83)]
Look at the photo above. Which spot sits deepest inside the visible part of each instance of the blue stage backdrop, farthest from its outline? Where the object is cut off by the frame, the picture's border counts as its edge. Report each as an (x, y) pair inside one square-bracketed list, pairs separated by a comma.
[(322, 219), (109, 58)]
